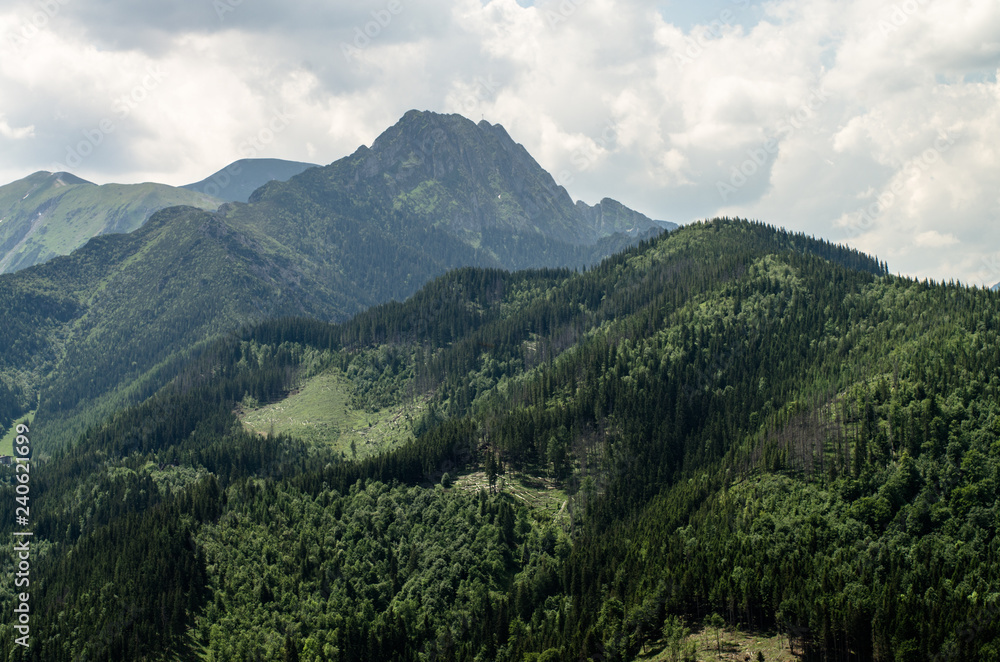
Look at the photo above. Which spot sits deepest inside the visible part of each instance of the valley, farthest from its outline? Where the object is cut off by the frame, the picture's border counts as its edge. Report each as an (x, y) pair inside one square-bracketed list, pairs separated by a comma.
[(324, 244), (728, 434)]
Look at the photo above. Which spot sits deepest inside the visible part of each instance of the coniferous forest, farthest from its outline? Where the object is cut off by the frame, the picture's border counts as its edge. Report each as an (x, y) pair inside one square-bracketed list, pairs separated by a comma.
[(729, 423)]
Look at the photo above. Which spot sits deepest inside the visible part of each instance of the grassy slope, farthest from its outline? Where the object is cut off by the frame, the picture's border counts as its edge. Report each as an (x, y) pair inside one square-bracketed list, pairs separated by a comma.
[(64, 217), (319, 412), (544, 496), (158, 273), (7, 441), (734, 644)]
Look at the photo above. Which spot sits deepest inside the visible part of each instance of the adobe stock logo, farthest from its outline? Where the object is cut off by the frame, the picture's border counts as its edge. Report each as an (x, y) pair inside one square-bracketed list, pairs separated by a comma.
[(866, 218), (223, 7), (760, 155), (562, 12), (699, 41), (991, 269), (900, 16), (364, 35), (39, 20), (253, 145), (485, 89), (250, 148), (122, 107)]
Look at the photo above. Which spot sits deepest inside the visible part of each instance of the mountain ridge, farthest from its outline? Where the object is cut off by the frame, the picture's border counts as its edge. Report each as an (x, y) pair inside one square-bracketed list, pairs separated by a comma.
[(728, 426), (451, 171), (48, 214), (442, 169), (238, 180), (325, 244)]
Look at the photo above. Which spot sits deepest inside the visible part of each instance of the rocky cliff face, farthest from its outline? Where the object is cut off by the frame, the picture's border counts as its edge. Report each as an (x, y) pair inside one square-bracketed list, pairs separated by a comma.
[(474, 179)]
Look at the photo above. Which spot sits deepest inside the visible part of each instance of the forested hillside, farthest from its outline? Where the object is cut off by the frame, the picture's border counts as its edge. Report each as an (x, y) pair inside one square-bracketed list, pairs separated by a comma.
[(727, 421), (108, 325)]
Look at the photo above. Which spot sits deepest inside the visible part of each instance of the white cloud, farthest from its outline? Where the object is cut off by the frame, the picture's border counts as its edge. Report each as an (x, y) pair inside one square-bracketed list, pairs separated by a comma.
[(809, 113), (15, 133), (934, 239)]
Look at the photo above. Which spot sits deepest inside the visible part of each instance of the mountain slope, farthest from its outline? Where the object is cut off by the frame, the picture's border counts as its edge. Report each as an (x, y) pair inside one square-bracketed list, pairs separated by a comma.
[(48, 214), (731, 419), (474, 182), (317, 245), (238, 180), (180, 279)]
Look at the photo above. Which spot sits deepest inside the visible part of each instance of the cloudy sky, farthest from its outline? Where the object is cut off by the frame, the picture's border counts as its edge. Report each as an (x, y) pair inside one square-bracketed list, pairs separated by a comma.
[(870, 122)]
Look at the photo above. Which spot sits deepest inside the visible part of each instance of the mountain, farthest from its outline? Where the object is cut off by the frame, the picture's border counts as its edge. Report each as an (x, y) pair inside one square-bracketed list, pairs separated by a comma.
[(327, 244), (731, 428), (239, 179), (473, 181), (48, 214), (996, 287)]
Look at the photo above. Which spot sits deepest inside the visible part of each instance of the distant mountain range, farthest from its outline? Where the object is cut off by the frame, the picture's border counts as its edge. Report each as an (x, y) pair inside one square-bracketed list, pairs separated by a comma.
[(238, 180), (48, 214), (432, 194), (471, 181)]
